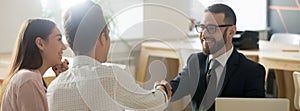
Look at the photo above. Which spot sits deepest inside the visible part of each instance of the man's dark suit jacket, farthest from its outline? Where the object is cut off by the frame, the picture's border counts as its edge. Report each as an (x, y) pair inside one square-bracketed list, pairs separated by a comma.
[(243, 78)]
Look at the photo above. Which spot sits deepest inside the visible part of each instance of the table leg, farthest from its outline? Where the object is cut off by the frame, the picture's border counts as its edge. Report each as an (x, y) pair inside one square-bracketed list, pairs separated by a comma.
[(285, 84), (290, 89), (1, 81), (280, 83), (173, 68), (141, 69)]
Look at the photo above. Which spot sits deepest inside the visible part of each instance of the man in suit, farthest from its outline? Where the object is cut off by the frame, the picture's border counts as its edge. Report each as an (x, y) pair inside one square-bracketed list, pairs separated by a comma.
[(230, 74)]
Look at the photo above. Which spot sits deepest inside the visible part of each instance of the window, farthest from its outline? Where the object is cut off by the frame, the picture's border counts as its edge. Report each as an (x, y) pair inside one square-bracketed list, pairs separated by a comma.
[(251, 14), (125, 18), (53, 9)]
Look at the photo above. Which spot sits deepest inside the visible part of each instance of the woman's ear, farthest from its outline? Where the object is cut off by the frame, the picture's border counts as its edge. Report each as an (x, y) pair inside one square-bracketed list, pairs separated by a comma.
[(40, 43)]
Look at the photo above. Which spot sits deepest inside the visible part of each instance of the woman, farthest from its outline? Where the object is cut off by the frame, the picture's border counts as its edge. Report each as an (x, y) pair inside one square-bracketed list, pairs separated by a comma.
[(39, 46)]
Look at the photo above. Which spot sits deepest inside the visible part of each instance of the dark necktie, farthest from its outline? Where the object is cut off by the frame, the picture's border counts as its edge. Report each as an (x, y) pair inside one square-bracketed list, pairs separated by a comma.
[(211, 91), (211, 69)]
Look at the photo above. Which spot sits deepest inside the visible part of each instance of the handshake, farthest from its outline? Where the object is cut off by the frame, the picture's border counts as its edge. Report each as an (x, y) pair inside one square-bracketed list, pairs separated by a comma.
[(164, 85)]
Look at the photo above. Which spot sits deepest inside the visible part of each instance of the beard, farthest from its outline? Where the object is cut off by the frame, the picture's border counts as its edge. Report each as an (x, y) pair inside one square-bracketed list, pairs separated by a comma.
[(217, 45)]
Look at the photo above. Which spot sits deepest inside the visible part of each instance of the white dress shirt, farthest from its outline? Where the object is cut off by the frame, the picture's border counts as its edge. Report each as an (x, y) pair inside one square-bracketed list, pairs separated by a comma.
[(221, 59), (90, 85)]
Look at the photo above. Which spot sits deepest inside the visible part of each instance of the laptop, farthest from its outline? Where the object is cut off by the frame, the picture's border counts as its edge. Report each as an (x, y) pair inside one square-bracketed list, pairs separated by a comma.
[(252, 104)]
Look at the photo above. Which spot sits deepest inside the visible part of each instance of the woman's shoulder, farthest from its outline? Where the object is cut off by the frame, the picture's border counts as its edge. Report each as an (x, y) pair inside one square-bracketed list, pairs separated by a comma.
[(25, 75), (28, 73)]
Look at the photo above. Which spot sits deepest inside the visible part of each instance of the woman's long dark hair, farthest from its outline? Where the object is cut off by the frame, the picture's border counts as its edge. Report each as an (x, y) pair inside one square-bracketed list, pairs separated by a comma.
[(26, 54)]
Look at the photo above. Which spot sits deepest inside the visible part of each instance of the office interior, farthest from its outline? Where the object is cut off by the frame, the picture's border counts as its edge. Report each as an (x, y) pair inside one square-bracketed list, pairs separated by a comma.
[(153, 38)]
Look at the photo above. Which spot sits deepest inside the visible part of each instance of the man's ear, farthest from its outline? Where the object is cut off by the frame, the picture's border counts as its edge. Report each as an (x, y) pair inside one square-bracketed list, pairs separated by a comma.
[(102, 39), (233, 30), (40, 43)]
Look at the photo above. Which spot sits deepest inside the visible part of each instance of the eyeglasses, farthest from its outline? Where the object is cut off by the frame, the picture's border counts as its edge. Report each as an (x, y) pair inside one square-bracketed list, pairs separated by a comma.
[(211, 28)]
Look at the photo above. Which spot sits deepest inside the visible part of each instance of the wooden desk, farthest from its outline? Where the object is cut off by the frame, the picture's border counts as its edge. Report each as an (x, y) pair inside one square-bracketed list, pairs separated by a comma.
[(176, 50), (179, 50), (4, 64), (284, 59), (5, 59), (49, 74)]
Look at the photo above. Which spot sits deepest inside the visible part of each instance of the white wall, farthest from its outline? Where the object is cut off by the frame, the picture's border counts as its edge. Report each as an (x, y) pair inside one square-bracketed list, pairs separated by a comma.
[(161, 19), (251, 14), (166, 19), (124, 16), (13, 13)]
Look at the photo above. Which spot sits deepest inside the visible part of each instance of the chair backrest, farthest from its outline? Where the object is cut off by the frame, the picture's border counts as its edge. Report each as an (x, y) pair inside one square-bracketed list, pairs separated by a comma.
[(48, 80), (287, 38), (296, 76), (252, 104)]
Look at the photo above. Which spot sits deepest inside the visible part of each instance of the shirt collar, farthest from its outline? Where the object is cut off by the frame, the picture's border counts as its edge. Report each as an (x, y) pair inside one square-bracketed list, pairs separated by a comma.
[(222, 58), (84, 60)]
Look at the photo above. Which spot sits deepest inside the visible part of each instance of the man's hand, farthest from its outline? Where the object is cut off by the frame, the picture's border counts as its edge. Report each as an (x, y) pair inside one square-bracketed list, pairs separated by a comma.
[(164, 85), (59, 68)]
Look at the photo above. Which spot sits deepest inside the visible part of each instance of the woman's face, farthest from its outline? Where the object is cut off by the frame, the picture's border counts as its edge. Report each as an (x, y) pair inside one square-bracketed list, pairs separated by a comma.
[(53, 50)]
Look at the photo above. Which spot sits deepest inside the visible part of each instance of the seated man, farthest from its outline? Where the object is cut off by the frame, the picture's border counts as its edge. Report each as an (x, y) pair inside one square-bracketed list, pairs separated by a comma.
[(220, 70), (90, 85)]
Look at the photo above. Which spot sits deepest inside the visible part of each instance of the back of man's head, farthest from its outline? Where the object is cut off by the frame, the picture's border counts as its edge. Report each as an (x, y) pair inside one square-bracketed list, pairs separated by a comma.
[(83, 24), (230, 17)]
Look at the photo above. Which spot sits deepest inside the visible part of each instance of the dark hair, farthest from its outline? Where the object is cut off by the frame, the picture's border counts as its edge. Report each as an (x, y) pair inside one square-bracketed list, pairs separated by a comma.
[(230, 17), (83, 24), (26, 54)]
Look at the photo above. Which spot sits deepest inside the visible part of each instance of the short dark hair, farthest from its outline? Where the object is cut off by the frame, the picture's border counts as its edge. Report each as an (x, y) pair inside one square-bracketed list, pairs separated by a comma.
[(230, 17), (83, 24)]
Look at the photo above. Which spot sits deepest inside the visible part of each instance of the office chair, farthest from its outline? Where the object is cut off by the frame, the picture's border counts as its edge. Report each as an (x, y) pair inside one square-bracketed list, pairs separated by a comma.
[(287, 38), (296, 76), (48, 80)]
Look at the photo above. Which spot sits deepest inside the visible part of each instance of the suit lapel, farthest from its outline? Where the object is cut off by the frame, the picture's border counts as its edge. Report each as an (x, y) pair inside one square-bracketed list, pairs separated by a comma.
[(231, 67), (201, 88), (203, 65)]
